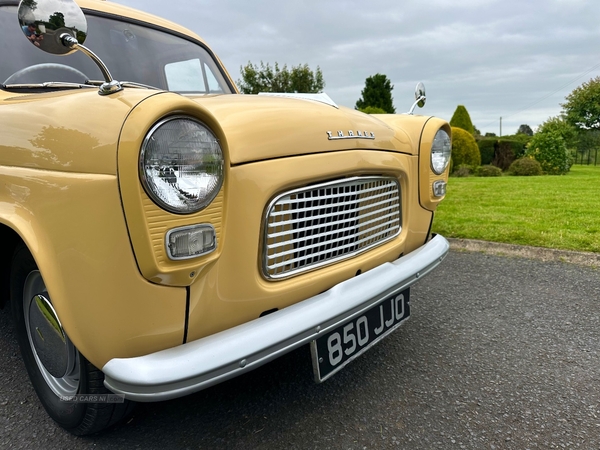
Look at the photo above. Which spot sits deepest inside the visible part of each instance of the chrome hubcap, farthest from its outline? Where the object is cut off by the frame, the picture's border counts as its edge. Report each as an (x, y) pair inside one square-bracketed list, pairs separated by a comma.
[(55, 355), (47, 336)]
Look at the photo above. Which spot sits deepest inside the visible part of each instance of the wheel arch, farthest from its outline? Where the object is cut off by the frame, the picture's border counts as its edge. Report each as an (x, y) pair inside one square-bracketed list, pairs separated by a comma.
[(60, 253), (14, 230), (9, 240)]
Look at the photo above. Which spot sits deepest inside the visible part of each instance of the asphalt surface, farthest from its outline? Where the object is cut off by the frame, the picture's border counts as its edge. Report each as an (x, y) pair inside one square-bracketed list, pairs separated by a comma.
[(500, 352)]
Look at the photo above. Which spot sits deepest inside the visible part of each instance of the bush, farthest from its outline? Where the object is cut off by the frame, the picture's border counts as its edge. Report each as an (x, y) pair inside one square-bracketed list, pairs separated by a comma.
[(489, 171), (463, 170), (487, 148), (464, 148), (550, 150), (525, 167)]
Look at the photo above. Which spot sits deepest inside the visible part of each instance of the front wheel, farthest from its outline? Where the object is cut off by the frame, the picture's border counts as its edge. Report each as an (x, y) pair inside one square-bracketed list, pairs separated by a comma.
[(56, 369)]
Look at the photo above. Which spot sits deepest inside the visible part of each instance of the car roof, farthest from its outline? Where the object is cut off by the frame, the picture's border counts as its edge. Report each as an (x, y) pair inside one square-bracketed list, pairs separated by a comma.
[(131, 13)]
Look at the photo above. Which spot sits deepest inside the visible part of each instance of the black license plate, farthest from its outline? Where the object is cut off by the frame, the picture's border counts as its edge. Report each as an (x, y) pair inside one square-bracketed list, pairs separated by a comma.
[(332, 351)]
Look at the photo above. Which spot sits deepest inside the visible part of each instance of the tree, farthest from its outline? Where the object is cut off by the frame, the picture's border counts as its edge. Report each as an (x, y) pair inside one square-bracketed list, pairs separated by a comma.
[(582, 106), (461, 119), (560, 125), (265, 78), (57, 20), (373, 110), (525, 129), (377, 93), (32, 4)]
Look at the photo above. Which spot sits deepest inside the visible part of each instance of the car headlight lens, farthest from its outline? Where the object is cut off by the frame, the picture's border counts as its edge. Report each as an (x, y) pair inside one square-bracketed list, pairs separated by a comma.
[(181, 165), (440, 152)]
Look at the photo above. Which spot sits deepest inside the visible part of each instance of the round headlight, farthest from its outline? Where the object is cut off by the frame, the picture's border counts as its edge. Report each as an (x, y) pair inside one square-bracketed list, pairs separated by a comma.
[(181, 165), (440, 152)]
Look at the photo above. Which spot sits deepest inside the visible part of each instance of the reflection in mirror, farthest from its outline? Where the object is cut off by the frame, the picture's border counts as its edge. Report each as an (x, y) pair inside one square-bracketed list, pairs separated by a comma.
[(420, 95), (43, 23)]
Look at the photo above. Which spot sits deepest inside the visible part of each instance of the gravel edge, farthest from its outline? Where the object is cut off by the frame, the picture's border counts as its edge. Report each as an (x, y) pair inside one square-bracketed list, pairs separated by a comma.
[(588, 259)]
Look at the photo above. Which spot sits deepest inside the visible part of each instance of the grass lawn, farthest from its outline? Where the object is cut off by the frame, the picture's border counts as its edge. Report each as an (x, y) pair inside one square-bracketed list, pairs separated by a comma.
[(559, 211)]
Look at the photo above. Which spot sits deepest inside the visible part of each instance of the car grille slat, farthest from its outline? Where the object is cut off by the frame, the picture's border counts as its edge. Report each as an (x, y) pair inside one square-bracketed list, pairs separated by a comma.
[(323, 224), (316, 255), (312, 227), (373, 197), (385, 225)]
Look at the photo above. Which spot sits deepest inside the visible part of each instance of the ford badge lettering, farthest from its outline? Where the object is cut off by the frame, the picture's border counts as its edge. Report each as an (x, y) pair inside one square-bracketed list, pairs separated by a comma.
[(351, 135)]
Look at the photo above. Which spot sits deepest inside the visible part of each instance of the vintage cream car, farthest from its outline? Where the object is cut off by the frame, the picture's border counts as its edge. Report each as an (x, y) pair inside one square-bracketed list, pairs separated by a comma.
[(163, 233)]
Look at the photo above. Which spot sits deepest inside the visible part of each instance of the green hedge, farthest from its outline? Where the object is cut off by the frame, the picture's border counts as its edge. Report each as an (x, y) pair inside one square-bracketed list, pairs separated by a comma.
[(486, 149), (517, 146), (501, 152)]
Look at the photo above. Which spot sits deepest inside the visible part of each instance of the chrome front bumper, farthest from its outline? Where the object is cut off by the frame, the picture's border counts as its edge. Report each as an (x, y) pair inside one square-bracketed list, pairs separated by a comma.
[(194, 366)]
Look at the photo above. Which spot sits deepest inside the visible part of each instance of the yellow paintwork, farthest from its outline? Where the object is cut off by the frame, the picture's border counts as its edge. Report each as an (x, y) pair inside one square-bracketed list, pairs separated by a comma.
[(73, 225), (59, 192), (427, 176), (70, 187), (302, 131), (234, 291), (424, 135), (148, 224)]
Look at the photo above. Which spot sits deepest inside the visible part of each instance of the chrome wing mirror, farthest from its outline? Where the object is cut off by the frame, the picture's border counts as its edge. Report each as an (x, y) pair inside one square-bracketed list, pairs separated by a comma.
[(59, 27), (420, 97)]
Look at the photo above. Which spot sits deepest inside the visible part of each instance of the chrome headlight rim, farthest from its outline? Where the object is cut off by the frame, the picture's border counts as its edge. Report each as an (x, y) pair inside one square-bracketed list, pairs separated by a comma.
[(445, 149), (207, 200)]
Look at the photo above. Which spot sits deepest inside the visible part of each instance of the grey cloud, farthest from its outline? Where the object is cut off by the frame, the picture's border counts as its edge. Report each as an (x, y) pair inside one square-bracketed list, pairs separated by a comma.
[(498, 58)]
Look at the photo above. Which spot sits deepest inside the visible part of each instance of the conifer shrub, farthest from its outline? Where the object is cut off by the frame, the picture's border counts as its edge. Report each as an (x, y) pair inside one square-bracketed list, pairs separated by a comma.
[(525, 167), (464, 148), (462, 119)]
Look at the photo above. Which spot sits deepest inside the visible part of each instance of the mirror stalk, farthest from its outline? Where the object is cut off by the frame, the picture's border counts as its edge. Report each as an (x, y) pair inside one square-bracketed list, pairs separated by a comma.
[(416, 103), (110, 85)]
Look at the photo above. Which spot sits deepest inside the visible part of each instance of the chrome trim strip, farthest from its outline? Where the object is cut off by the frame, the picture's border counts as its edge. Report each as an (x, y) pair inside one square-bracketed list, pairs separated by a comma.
[(196, 365), (320, 97)]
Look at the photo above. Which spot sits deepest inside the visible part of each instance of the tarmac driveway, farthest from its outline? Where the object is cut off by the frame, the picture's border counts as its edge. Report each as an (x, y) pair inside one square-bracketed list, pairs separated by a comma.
[(500, 352)]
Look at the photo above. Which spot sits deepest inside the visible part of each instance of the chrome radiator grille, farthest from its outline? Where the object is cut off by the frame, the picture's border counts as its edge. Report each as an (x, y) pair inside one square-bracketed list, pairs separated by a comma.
[(318, 225)]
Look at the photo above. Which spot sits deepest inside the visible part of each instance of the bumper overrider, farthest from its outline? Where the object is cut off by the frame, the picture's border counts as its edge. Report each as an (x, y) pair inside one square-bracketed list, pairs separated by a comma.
[(196, 365)]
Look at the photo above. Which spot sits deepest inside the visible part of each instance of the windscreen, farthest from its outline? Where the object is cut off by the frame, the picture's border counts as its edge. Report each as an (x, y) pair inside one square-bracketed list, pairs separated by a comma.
[(132, 52)]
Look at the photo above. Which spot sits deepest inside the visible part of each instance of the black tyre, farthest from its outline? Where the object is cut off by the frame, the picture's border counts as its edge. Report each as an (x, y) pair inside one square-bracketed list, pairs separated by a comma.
[(73, 374)]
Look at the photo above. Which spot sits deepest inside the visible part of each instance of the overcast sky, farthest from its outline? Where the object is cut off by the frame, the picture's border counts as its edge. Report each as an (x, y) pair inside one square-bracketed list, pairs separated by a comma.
[(515, 59)]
